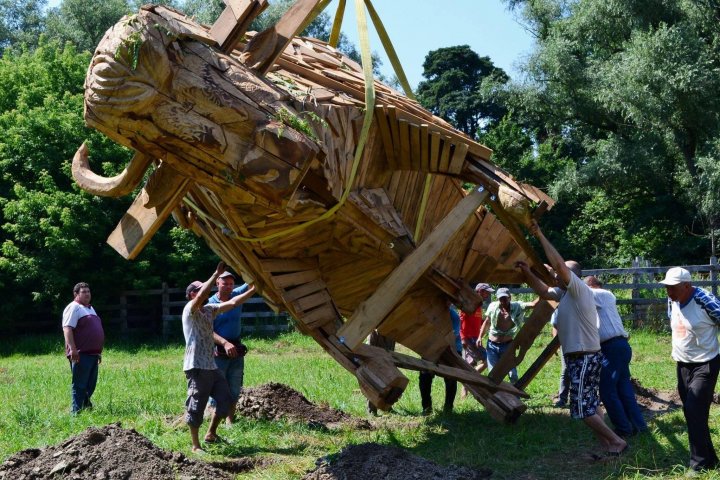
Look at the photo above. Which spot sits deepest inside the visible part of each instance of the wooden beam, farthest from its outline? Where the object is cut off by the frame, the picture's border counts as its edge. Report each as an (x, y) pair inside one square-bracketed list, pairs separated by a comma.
[(234, 21), (523, 340), (369, 314), (471, 377), (538, 364), (163, 192), (265, 47)]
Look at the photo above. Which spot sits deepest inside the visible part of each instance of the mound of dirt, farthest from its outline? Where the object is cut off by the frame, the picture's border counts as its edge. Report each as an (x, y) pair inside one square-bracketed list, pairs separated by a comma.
[(655, 401), (370, 460), (111, 453), (274, 401)]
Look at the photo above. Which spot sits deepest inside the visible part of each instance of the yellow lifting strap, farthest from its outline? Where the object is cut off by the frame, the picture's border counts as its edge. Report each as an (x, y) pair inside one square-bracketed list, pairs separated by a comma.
[(337, 23), (367, 122)]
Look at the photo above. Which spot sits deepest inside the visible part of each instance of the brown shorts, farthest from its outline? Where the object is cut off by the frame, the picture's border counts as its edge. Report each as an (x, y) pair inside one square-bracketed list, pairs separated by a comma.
[(201, 384)]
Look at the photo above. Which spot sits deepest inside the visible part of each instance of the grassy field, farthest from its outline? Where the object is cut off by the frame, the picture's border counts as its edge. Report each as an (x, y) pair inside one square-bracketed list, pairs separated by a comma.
[(142, 386)]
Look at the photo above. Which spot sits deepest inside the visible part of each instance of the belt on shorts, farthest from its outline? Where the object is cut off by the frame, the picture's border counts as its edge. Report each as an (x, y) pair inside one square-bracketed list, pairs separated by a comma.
[(499, 343), (611, 339), (579, 354)]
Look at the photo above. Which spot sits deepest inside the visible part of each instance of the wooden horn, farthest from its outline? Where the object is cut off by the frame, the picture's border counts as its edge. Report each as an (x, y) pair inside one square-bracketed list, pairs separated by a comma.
[(117, 186)]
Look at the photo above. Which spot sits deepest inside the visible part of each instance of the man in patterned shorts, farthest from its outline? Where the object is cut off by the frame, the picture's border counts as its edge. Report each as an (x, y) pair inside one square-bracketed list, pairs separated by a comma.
[(577, 327)]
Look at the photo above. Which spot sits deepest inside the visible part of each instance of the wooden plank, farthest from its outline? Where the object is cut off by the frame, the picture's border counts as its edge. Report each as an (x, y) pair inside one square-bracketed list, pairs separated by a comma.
[(320, 316), (458, 158), (281, 265), (371, 312), (424, 147), (445, 155), (311, 301), (384, 126), (415, 156), (435, 145), (465, 376), (394, 130), (538, 364), (160, 196), (234, 20), (292, 279), (303, 290), (265, 47), (405, 161)]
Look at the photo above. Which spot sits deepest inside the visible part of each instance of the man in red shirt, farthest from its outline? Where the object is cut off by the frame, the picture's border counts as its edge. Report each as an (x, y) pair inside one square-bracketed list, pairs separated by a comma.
[(473, 351)]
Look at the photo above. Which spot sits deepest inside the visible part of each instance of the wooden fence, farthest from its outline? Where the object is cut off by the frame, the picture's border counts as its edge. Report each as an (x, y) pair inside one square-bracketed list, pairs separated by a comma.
[(160, 311), (641, 297)]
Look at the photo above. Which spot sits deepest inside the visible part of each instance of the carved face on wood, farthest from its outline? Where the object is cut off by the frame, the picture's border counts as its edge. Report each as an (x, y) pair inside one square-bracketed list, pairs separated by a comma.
[(154, 87)]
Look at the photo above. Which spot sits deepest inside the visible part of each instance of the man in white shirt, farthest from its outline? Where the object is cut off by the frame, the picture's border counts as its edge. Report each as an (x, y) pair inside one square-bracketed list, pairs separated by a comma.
[(616, 390), (694, 319)]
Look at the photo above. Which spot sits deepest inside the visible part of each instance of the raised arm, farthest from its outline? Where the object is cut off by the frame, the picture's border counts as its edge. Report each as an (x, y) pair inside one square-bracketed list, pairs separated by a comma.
[(555, 259), (534, 282), (235, 301), (206, 288)]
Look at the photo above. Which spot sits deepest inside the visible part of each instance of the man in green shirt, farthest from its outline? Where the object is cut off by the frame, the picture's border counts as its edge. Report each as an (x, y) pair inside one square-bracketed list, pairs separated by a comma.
[(503, 320)]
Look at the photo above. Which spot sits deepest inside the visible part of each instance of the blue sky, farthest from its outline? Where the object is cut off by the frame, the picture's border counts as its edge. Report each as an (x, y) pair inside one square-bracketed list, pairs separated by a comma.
[(416, 27)]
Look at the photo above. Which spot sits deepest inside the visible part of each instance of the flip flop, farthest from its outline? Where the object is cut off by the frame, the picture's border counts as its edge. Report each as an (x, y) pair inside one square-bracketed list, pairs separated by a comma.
[(212, 439), (617, 454)]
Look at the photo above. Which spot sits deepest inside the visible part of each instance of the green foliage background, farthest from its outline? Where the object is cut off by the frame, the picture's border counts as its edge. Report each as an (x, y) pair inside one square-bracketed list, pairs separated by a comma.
[(617, 115)]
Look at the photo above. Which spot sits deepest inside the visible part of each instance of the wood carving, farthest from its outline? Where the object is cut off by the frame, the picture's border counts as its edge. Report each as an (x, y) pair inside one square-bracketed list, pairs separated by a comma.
[(258, 159)]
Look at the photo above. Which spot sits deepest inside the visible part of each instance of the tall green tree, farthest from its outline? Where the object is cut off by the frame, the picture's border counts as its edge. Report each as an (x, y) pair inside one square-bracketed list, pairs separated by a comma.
[(628, 92), (21, 22), (453, 89)]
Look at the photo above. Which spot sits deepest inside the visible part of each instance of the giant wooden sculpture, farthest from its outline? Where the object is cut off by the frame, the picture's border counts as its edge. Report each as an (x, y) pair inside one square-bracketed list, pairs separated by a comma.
[(253, 144)]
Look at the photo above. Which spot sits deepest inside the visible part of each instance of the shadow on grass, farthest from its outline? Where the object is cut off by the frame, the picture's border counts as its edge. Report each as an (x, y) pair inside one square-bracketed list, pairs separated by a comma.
[(546, 443)]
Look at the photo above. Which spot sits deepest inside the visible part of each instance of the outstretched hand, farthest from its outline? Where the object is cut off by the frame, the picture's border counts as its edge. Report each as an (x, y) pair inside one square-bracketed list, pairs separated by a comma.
[(535, 228), (523, 266), (220, 268)]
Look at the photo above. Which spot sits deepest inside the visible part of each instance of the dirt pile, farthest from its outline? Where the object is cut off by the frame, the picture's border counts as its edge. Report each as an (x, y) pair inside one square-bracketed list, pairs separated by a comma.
[(370, 460), (275, 401), (656, 401), (111, 453)]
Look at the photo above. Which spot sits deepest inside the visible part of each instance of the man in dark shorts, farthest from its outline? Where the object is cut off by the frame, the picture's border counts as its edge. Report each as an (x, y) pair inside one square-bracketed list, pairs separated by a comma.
[(577, 327), (203, 377)]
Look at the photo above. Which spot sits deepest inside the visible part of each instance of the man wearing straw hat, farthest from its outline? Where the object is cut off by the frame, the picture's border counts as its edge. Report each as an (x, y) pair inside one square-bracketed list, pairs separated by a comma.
[(694, 319)]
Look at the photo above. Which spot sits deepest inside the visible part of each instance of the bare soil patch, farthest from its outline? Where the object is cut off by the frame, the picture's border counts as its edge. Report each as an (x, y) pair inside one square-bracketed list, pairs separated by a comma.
[(655, 402), (275, 401), (113, 453), (371, 460)]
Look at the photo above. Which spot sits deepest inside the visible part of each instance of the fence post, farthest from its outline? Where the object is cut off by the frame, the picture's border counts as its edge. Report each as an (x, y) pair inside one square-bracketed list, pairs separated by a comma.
[(123, 313), (165, 310), (713, 274), (635, 293)]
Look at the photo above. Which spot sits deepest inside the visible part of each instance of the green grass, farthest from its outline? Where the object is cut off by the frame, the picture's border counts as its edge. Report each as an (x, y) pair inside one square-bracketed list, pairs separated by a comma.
[(142, 386)]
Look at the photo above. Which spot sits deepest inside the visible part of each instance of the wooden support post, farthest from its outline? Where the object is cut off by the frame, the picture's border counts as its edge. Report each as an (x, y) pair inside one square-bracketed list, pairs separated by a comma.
[(265, 47), (162, 193), (465, 376), (538, 364), (523, 340), (369, 314), (714, 274), (234, 21)]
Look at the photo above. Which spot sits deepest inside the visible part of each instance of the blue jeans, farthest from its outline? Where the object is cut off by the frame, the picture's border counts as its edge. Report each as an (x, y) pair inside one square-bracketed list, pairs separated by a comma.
[(494, 352), (616, 391), (84, 380), (233, 369)]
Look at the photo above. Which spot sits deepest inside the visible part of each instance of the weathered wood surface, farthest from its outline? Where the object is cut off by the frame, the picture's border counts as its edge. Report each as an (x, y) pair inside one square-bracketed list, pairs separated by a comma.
[(257, 158)]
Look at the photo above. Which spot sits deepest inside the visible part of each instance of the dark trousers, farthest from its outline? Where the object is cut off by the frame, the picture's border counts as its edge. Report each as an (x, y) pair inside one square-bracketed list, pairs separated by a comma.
[(616, 390), (696, 385), (426, 379), (84, 380)]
